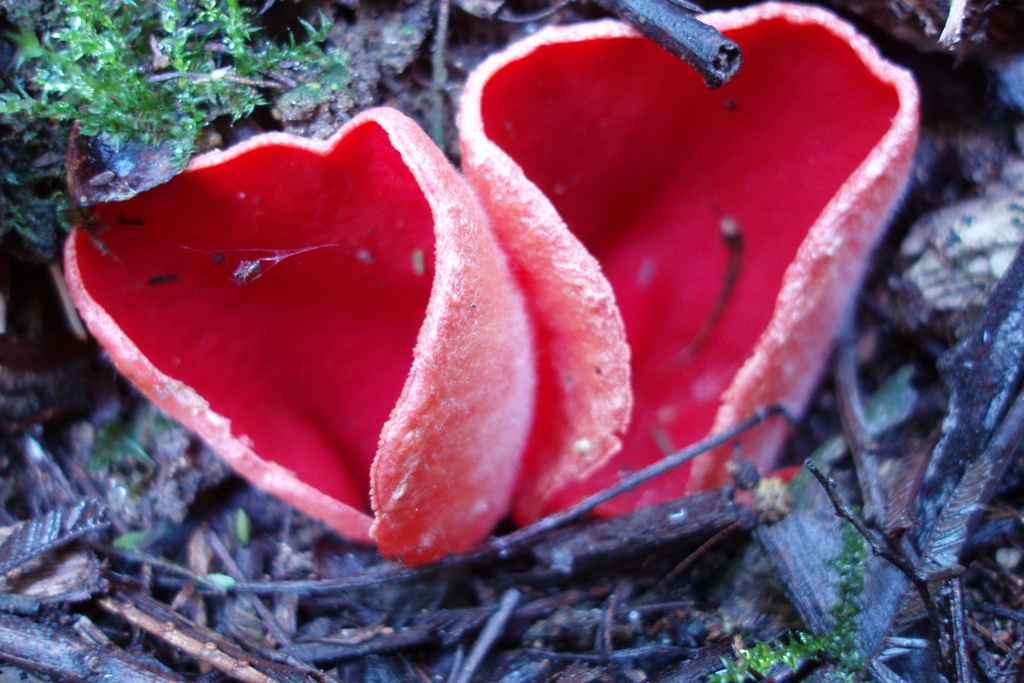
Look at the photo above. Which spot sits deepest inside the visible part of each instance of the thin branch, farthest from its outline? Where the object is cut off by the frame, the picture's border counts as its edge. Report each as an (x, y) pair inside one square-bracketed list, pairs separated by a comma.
[(671, 25), (270, 621), (439, 72), (219, 75), (202, 643), (842, 510), (504, 546), (62, 654), (863, 446), (886, 551), (527, 535), (732, 238), (492, 630), (953, 29)]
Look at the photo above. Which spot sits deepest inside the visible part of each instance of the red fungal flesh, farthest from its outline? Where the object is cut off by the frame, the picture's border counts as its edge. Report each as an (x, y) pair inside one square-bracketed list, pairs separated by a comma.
[(346, 261), (335, 319), (643, 164)]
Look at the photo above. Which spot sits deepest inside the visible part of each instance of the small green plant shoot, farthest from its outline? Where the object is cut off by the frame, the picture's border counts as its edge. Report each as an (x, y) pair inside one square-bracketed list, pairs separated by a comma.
[(838, 647)]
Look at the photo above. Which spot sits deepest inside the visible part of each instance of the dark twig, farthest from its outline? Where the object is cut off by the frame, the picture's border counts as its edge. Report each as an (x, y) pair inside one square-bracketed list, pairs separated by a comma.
[(527, 535), (418, 636), (863, 446), (646, 653), (841, 508), (696, 554), (671, 25), (733, 239), (215, 76), (488, 636), (198, 641), (851, 400), (439, 72), (603, 637), (504, 546), (997, 611), (884, 550), (234, 571), (205, 583), (958, 628), (505, 14), (63, 655)]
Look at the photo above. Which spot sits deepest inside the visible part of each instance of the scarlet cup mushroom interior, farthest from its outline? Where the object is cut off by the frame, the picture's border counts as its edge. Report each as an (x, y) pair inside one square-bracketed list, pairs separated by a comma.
[(225, 299), (644, 164)]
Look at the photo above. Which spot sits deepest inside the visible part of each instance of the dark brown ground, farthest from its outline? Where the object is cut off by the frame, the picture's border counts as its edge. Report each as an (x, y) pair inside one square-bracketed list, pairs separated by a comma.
[(144, 559)]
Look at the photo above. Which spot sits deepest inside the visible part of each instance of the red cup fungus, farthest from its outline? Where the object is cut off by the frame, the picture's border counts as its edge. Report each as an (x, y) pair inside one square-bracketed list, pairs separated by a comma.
[(592, 129), (408, 357), (274, 297)]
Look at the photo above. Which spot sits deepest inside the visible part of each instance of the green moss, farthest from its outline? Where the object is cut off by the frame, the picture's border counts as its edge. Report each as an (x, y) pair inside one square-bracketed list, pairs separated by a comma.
[(34, 202), (842, 643), (765, 657), (838, 647), (153, 71)]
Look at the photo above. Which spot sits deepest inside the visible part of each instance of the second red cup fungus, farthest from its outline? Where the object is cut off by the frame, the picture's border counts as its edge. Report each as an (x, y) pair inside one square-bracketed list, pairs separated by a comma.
[(593, 130)]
